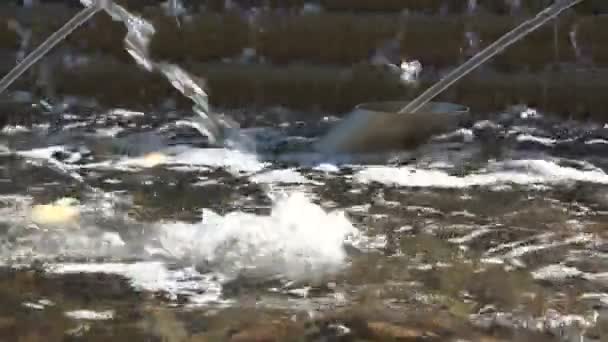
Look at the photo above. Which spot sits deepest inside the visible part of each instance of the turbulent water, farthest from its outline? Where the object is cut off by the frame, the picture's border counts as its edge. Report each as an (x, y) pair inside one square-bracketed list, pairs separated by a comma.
[(501, 224)]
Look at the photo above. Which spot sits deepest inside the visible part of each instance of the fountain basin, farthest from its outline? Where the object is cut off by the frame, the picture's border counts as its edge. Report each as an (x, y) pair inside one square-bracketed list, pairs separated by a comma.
[(378, 127)]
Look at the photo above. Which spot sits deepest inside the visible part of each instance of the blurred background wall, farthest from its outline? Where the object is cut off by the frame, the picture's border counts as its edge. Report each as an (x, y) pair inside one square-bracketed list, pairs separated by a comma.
[(320, 55)]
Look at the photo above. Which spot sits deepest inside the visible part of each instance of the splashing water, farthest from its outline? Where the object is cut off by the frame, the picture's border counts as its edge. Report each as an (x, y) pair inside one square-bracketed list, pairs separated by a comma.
[(298, 240)]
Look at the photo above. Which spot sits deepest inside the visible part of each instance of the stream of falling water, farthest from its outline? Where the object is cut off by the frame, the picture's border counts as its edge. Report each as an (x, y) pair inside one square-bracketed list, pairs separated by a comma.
[(139, 34)]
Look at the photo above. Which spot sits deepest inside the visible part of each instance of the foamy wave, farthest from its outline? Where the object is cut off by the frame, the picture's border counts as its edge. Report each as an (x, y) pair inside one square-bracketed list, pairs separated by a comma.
[(521, 172)]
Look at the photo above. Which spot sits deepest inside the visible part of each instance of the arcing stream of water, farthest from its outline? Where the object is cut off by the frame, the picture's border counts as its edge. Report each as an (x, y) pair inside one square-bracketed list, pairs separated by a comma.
[(137, 40)]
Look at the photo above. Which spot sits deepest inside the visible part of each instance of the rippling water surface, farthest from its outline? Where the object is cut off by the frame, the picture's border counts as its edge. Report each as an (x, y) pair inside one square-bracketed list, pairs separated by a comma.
[(493, 232)]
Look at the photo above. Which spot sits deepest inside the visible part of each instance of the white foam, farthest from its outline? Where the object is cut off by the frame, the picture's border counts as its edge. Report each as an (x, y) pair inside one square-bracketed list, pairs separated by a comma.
[(327, 168), (28, 239), (46, 154), (514, 244), (523, 172), (552, 322), (484, 124), (471, 236), (75, 125), (109, 132), (596, 141), (530, 113), (187, 159), (556, 272), (16, 129), (154, 277), (120, 112), (599, 296), (42, 153), (232, 160), (90, 315), (41, 244), (410, 71), (465, 134), (297, 240), (35, 306), (523, 250), (536, 139)]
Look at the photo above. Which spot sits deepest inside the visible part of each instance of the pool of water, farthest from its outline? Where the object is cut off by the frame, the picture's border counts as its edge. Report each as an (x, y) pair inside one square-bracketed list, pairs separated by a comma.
[(493, 232)]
